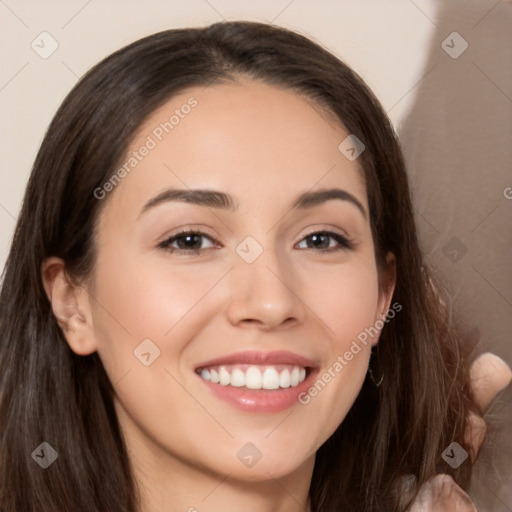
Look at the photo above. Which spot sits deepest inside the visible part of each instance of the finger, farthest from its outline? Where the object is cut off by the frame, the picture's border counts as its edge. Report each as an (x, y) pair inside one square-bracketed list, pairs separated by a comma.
[(489, 375), (442, 494), (474, 434)]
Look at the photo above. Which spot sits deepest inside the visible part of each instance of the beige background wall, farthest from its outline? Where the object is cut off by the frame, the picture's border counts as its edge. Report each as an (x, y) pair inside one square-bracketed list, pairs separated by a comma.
[(451, 104)]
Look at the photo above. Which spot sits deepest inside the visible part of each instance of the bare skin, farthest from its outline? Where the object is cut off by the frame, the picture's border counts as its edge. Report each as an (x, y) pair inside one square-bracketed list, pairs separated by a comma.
[(489, 375), (264, 147)]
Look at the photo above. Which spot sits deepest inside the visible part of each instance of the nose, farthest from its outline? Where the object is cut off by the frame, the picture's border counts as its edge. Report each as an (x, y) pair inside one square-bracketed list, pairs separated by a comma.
[(265, 293)]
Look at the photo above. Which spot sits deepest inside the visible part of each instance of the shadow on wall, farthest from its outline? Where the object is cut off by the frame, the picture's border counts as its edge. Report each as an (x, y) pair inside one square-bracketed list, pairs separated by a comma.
[(457, 139)]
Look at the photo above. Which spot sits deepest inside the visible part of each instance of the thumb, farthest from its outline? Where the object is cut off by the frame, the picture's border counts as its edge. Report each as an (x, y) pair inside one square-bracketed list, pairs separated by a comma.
[(489, 375), (442, 494)]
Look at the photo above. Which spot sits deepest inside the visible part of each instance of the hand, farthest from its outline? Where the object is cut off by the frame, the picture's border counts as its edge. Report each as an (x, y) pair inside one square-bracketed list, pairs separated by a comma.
[(489, 375)]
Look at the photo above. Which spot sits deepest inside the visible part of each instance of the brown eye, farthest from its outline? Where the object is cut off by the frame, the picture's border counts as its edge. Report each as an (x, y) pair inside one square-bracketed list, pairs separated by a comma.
[(323, 240), (187, 242)]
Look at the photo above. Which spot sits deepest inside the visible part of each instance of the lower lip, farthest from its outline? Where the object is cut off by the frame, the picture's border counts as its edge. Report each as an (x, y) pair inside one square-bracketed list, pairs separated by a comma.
[(261, 400)]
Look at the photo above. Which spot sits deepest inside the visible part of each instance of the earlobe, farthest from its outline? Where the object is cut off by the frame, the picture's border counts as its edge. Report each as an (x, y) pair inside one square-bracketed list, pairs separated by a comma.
[(70, 306)]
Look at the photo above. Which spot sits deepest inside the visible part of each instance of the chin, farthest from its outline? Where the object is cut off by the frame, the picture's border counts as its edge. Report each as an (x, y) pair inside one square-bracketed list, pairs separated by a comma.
[(254, 462)]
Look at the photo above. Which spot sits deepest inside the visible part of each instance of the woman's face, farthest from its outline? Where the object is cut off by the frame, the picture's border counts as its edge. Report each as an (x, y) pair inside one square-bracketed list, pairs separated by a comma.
[(237, 349)]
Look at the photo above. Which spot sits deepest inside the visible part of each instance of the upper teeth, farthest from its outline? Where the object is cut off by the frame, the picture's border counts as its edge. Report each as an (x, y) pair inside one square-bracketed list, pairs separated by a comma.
[(255, 377)]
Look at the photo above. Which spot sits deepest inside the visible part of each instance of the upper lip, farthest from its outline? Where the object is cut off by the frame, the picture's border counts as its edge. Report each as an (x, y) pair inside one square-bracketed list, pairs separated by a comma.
[(260, 358)]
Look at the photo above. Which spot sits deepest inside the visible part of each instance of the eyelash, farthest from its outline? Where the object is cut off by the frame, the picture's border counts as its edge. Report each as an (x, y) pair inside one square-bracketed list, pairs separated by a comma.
[(344, 242)]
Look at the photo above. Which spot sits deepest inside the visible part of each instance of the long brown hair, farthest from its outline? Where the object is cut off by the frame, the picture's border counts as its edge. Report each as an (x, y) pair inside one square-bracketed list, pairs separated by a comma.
[(391, 435)]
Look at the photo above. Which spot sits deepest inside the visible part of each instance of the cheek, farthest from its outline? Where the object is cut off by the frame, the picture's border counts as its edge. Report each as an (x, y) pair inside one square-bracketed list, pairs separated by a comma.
[(346, 300), (149, 300)]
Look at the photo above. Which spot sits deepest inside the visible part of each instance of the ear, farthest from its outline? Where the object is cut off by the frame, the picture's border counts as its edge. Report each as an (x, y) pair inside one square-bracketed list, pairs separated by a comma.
[(71, 306), (387, 282)]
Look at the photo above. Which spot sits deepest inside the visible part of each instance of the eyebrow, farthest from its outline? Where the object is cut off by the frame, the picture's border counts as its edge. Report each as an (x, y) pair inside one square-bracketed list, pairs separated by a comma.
[(216, 199)]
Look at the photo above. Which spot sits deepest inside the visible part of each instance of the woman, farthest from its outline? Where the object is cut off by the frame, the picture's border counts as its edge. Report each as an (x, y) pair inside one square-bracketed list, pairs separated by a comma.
[(215, 297)]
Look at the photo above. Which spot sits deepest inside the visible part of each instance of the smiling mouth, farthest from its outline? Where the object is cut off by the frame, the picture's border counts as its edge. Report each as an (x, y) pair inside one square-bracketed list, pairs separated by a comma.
[(254, 377)]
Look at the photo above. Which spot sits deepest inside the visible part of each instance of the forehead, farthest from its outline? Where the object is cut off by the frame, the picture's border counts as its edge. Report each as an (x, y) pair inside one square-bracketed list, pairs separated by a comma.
[(254, 140)]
